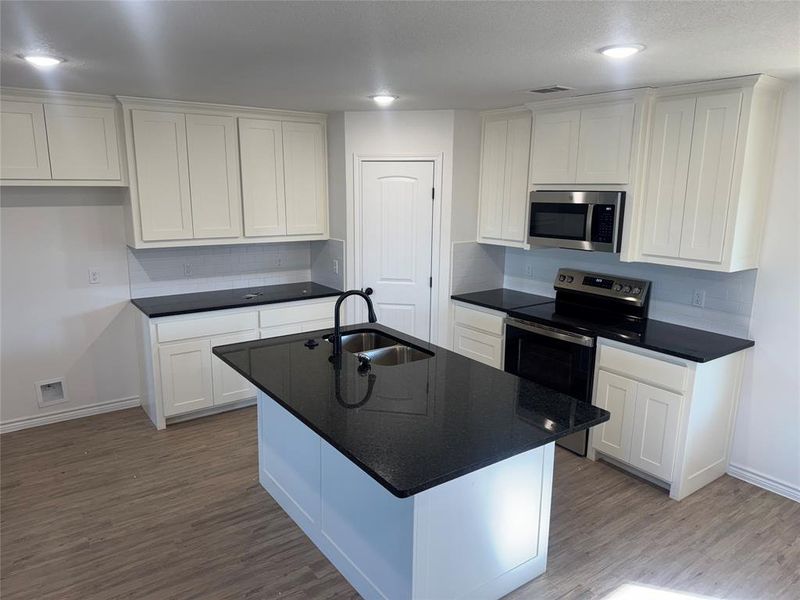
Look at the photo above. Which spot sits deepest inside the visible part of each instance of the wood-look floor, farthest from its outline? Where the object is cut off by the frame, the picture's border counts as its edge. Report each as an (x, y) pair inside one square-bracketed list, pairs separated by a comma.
[(108, 507)]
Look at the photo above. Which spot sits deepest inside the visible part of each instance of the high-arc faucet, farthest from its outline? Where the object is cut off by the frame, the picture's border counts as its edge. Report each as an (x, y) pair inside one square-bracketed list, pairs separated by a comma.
[(337, 334)]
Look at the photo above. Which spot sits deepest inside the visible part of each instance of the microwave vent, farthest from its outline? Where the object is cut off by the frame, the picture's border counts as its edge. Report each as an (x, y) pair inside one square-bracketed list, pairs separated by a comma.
[(551, 90)]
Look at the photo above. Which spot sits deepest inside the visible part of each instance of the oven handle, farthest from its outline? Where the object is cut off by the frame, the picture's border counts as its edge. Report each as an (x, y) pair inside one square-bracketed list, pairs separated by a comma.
[(552, 332)]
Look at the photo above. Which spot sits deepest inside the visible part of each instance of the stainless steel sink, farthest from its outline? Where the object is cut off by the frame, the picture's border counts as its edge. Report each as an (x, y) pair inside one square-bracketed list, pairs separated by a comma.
[(363, 341), (395, 355)]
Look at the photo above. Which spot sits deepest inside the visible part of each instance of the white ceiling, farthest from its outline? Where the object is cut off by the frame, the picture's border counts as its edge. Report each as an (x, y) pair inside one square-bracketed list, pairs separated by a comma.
[(329, 55)]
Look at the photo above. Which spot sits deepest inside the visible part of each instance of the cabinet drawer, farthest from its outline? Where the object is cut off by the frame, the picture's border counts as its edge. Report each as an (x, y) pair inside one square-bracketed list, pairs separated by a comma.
[(479, 346), (479, 320), (296, 313), (643, 368), (206, 326)]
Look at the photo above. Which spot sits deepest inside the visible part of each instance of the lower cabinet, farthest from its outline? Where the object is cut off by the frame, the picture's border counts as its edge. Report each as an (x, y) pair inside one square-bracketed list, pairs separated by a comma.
[(186, 376), (671, 419), (229, 386), (478, 334)]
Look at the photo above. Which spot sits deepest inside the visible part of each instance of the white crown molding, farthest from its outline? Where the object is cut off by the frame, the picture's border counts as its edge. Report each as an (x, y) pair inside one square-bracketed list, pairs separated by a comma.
[(69, 414), (133, 102), (55, 97)]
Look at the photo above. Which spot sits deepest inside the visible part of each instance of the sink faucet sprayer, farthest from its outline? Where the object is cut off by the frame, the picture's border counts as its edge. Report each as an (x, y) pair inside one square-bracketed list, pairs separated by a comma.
[(337, 334)]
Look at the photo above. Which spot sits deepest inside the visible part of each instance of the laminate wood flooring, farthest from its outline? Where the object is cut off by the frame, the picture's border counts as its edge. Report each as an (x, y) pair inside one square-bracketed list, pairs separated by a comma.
[(107, 507)]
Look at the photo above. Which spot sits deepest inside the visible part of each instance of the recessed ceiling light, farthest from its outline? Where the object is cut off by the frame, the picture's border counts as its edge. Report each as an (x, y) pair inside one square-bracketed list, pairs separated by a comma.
[(43, 60), (621, 51), (383, 99)]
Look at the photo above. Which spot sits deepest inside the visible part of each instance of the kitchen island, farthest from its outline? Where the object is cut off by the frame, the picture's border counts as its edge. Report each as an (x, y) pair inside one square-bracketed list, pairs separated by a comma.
[(427, 479)]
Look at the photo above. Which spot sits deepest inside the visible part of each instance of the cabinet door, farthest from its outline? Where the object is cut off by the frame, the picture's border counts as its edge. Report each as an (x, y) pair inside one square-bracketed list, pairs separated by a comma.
[(604, 144), (515, 194), (666, 173), (23, 141), (214, 176), (304, 178), (82, 142), (708, 191), (261, 152), (492, 177), (479, 346), (162, 175), (229, 386), (186, 376), (617, 395), (655, 431), (554, 152)]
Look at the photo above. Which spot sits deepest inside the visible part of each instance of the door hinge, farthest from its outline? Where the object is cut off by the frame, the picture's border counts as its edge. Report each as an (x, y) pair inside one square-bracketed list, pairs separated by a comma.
[(430, 281), (433, 193)]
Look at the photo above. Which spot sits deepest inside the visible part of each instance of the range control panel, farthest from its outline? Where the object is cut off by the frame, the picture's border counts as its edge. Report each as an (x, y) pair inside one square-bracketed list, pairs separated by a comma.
[(630, 290)]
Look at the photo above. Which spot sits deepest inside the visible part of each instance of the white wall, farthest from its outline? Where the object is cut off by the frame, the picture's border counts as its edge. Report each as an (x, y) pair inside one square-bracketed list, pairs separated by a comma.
[(766, 442), (53, 322)]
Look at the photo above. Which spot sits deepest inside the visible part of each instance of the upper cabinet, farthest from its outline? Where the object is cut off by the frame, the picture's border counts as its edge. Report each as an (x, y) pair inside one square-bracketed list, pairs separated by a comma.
[(60, 139), (503, 191), (210, 174), (583, 144), (706, 174)]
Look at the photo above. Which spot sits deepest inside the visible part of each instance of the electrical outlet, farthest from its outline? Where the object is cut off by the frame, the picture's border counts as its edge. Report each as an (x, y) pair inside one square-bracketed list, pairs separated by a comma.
[(699, 298), (335, 266), (187, 270), (529, 271), (94, 276)]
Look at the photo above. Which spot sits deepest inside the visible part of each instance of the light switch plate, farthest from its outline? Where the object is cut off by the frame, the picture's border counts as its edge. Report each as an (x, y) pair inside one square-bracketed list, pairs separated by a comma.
[(699, 298)]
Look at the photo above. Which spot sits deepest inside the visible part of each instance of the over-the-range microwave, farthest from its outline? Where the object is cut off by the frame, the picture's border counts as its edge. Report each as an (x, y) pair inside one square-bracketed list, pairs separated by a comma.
[(579, 220)]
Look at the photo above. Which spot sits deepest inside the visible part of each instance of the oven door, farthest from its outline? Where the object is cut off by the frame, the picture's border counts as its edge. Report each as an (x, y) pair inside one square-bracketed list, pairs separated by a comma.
[(560, 360)]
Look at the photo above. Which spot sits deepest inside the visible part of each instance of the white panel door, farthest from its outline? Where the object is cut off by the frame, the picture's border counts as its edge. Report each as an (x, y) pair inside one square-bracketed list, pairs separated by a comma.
[(305, 178), (492, 177), (655, 431), (186, 376), (396, 236), (554, 151), (666, 174), (162, 175), (82, 142), (261, 154), (617, 395), (604, 144), (515, 194), (23, 141), (708, 191), (214, 176), (229, 386)]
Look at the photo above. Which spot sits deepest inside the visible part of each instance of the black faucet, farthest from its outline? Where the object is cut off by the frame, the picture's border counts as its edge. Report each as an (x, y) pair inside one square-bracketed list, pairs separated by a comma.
[(337, 334)]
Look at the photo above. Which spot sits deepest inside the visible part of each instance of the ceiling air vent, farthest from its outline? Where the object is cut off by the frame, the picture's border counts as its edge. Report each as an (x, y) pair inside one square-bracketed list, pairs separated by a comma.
[(551, 90)]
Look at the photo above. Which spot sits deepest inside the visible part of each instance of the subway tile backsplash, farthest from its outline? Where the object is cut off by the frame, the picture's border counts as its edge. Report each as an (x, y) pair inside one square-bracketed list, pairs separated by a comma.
[(167, 271), (476, 267)]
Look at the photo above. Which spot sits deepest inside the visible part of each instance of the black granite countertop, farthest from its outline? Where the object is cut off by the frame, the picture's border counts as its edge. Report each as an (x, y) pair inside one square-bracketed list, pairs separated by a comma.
[(501, 299), (413, 426), (180, 304)]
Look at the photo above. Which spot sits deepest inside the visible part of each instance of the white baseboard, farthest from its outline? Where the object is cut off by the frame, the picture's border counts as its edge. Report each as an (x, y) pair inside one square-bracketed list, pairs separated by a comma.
[(68, 414), (770, 484)]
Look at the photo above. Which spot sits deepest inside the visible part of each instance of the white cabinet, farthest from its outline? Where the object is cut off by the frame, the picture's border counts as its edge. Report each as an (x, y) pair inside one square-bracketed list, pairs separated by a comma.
[(261, 153), (503, 190), (59, 139), (707, 171), (83, 142), (478, 334), (229, 386), (586, 144), (23, 137), (671, 419), (186, 376), (214, 176), (162, 175), (305, 178)]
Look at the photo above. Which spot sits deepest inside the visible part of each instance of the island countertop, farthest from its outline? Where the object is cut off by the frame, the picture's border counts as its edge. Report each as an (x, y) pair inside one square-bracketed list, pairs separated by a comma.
[(411, 426)]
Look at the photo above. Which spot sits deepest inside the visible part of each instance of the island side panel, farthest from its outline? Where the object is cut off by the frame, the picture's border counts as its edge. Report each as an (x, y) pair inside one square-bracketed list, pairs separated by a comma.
[(486, 533)]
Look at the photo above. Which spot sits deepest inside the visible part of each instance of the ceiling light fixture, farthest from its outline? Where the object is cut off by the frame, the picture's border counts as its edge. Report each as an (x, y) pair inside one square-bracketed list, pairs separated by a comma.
[(383, 99), (42, 61), (621, 50)]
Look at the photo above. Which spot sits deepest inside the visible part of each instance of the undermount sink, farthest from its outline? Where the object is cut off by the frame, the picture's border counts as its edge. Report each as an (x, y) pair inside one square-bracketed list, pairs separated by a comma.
[(395, 355), (367, 340)]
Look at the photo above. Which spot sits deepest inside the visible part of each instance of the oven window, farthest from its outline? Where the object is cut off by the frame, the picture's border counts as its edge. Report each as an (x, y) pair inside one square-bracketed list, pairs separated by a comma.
[(562, 221)]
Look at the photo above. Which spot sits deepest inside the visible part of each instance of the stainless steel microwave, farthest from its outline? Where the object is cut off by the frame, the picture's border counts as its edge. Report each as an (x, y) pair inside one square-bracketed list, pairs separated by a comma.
[(580, 220)]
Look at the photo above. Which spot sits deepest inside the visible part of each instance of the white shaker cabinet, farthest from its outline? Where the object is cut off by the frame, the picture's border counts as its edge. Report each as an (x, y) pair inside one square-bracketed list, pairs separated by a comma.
[(706, 174), (503, 188), (305, 178), (479, 334), (261, 155), (228, 385), (655, 430), (554, 150), (214, 176), (162, 175), (617, 395), (83, 142), (186, 376), (23, 137)]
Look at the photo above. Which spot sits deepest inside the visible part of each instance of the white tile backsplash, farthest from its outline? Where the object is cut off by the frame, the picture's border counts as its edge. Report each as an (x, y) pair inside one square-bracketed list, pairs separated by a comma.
[(323, 255), (476, 267), (729, 296), (161, 271)]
